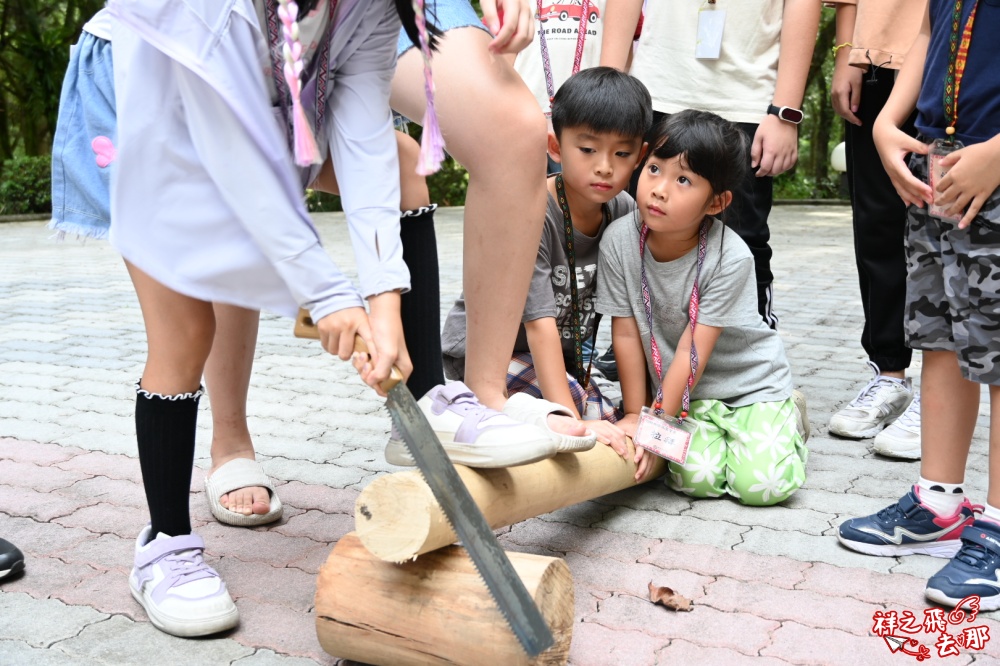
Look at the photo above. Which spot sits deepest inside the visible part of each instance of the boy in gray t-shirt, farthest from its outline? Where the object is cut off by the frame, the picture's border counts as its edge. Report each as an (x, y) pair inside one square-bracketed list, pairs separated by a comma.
[(599, 117)]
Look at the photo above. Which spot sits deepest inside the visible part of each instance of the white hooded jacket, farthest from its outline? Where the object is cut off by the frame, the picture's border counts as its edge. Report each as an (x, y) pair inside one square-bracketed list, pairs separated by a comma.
[(206, 198)]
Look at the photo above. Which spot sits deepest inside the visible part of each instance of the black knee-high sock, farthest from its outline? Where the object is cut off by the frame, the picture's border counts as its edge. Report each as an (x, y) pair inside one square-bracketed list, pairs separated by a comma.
[(165, 432), (421, 306)]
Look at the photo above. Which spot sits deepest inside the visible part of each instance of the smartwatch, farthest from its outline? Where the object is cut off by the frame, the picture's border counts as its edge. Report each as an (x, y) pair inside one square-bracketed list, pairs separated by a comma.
[(786, 113)]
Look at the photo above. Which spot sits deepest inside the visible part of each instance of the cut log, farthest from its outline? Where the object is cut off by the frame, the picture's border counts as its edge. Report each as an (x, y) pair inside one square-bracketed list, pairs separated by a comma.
[(436, 610), (397, 517)]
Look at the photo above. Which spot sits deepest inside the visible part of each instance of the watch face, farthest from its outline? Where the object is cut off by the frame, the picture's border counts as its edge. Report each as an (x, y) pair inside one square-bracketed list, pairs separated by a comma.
[(791, 115)]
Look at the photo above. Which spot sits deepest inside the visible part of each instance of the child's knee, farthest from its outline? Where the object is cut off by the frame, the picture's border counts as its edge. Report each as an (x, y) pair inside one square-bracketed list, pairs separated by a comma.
[(767, 486), (696, 483)]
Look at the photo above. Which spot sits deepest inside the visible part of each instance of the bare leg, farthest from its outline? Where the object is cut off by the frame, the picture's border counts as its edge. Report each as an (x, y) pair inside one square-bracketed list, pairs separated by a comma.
[(494, 127), (412, 186), (179, 333), (227, 377), (993, 495), (950, 404)]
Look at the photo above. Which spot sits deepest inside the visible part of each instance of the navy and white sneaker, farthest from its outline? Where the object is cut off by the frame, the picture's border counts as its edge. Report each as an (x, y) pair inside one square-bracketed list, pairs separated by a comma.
[(908, 527), (975, 569)]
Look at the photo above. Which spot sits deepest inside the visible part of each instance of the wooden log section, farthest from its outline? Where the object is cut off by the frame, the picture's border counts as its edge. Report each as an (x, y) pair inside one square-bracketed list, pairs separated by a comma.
[(433, 611), (397, 517)]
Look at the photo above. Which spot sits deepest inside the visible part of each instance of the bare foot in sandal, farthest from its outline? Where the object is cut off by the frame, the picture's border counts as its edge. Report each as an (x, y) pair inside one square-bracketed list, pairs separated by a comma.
[(245, 501)]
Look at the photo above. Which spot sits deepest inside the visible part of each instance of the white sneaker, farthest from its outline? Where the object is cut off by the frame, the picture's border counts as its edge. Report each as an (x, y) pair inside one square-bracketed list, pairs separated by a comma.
[(878, 404), (472, 434), (181, 594), (902, 438), (801, 415)]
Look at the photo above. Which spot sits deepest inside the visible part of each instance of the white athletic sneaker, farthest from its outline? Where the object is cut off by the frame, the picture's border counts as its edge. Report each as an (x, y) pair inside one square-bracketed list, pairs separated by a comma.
[(878, 404), (472, 434), (902, 438), (801, 415), (182, 595)]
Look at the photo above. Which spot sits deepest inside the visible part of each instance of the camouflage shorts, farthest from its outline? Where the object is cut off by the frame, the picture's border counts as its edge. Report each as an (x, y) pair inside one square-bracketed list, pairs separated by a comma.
[(953, 285)]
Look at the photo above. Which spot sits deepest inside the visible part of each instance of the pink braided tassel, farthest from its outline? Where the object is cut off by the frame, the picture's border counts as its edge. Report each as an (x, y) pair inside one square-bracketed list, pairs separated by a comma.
[(306, 150), (431, 140)]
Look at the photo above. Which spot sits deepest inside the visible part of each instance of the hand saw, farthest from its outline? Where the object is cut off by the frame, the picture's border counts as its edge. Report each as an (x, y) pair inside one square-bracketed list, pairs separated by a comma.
[(503, 583)]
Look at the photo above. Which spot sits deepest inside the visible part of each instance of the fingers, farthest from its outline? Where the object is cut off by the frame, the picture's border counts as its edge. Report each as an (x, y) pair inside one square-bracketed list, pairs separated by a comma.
[(756, 149), (618, 442), (511, 28), (643, 468), (911, 144), (911, 189), (380, 371), (490, 18), (973, 210), (855, 104), (845, 105), (526, 31)]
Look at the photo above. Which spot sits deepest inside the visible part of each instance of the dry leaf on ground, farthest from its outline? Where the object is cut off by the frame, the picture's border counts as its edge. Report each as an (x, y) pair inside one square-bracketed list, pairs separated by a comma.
[(668, 598)]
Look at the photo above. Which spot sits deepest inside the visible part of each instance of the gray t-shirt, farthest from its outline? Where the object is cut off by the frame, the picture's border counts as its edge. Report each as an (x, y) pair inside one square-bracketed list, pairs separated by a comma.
[(748, 364), (549, 294)]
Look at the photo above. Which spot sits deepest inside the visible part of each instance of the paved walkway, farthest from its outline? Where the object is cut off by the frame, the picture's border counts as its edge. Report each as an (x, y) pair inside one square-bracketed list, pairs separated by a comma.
[(770, 584)]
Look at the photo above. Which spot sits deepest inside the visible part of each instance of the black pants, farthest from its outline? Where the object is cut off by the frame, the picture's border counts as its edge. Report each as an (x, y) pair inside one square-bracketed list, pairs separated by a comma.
[(747, 216), (879, 229)]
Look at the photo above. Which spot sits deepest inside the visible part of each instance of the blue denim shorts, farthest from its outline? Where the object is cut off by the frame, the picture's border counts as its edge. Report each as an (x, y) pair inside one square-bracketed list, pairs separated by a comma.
[(445, 15), (83, 149)]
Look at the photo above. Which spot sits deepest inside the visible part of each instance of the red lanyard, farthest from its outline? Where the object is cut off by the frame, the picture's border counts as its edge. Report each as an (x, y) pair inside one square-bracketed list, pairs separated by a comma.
[(647, 303), (320, 65), (581, 35), (958, 56)]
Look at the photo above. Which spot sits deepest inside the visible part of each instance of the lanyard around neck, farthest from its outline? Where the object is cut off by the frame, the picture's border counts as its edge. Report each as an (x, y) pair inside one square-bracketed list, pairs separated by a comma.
[(581, 36), (693, 303), (958, 56), (576, 311), (320, 65)]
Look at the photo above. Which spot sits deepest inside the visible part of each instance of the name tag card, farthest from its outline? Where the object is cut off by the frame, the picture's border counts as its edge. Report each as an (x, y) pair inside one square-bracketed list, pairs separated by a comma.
[(711, 21), (665, 436)]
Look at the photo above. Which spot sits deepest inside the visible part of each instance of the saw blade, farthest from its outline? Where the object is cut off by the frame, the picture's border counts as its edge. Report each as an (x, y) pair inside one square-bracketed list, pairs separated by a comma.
[(468, 522)]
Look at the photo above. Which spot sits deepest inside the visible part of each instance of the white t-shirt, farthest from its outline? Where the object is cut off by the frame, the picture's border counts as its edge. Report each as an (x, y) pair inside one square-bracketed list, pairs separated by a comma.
[(99, 25), (560, 37), (738, 86)]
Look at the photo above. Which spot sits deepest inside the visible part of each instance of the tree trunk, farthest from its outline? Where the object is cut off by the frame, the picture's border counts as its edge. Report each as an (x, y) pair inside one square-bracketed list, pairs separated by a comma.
[(397, 517), (433, 611)]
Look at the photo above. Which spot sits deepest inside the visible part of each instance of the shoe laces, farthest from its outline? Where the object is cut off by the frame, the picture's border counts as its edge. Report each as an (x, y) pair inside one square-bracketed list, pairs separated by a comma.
[(973, 554), (185, 567), (910, 419), (466, 403), (892, 512), (866, 397)]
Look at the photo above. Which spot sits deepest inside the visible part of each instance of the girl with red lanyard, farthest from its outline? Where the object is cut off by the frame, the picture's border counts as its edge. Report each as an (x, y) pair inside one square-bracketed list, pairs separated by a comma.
[(685, 329)]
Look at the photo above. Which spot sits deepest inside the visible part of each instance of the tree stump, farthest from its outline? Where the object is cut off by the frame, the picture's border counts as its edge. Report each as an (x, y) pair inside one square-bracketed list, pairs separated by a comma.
[(436, 610)]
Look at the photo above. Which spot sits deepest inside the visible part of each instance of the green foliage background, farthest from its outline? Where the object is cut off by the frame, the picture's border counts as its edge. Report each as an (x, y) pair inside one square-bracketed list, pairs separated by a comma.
[(35, 36)]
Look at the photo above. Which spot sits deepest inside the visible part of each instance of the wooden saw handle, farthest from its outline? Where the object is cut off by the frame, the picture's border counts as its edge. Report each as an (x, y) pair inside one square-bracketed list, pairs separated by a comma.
[(305, 327)]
